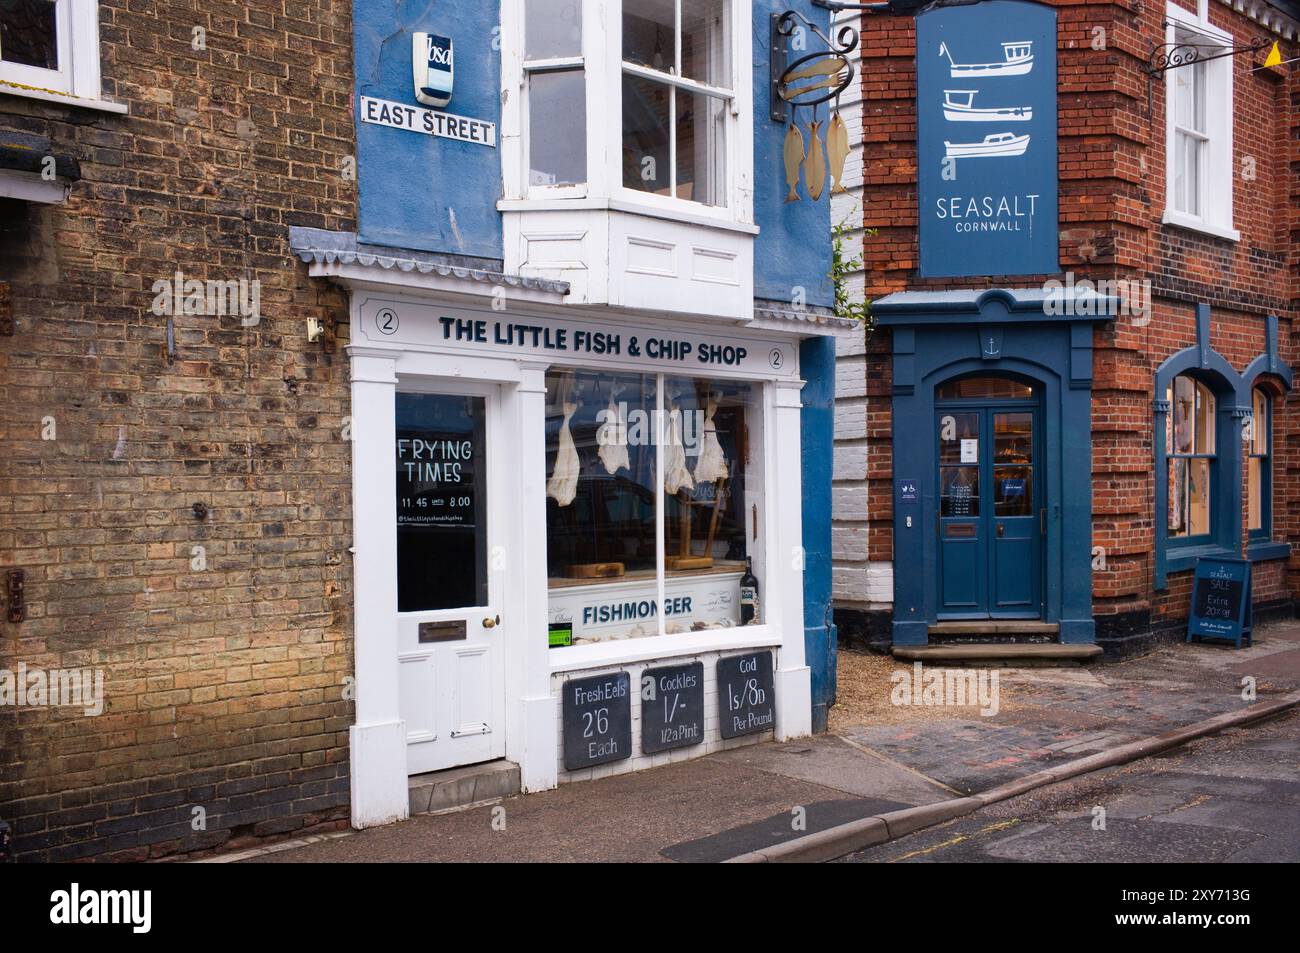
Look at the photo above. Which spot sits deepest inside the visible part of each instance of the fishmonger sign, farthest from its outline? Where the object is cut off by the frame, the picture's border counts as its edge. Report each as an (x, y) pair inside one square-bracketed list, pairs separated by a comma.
[(986, 139)]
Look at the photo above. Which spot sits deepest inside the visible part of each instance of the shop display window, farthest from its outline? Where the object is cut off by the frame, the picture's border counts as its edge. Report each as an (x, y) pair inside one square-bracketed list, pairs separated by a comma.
[(647, 500)]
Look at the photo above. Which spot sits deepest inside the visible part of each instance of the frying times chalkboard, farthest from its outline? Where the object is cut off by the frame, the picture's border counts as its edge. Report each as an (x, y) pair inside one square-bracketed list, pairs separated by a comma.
[(597, 715), (746, 696), (672, 707), (1221, 600)]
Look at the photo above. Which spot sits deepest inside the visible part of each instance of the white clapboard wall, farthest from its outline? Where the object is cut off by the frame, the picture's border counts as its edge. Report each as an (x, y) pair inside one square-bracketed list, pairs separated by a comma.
[(857, 583)]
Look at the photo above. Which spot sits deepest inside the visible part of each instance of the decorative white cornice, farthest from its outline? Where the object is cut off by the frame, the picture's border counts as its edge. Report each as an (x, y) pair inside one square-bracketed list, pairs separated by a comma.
[(1266, 15)]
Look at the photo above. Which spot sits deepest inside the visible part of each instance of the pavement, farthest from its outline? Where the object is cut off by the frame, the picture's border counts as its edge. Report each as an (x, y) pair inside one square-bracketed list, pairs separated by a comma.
[(1230, 798), (883, 757)]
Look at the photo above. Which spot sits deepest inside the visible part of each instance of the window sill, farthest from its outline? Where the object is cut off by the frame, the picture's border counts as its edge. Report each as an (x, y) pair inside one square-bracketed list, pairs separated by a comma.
[(630, 208), (67, 99), (628, 651), (1181, 220), (1184, 558), (1266, 549)]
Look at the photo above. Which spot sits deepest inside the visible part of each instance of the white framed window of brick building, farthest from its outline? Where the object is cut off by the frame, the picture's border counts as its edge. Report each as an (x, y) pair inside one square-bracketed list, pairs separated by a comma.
[(1198, 112), (638, 103), (49, 49)]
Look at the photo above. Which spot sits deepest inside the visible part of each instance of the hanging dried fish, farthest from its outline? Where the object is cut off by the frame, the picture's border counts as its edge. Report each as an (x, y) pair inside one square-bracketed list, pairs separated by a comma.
[(837, 147), (712, 464), (815, 173), (676, 476), (611, 437), (563, 484), (793, 158)]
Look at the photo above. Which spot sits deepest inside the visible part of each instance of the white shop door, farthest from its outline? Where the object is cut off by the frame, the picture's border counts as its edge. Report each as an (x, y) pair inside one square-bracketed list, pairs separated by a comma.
[(451, 632)]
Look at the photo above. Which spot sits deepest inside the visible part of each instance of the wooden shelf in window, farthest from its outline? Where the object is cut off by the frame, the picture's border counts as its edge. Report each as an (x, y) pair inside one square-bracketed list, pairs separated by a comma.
[(732, 568)]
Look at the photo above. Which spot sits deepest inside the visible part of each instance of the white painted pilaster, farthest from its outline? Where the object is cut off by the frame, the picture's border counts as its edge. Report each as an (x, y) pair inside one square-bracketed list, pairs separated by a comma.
[(378, 739), (531, 740), (785, 566)]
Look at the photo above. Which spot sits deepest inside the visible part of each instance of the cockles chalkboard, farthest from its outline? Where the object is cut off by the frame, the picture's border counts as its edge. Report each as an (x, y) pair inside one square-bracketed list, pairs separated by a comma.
[(746, 696), (672, 707), (597, 713), (1221, 600)]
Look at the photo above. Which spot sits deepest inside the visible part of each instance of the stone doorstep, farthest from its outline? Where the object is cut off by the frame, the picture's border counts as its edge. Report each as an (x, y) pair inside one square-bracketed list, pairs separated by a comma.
[(997, 652), (460, 787), (996, 627)]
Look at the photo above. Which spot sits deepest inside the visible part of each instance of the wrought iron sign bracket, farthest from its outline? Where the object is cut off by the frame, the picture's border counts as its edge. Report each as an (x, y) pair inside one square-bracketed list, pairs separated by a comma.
[(784, 70), (1167, 56)]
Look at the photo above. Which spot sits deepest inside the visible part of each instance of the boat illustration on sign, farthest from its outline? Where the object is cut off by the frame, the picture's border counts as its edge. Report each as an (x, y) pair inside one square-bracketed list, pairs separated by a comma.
[(997, 144), (1018, 59), (958, 106)]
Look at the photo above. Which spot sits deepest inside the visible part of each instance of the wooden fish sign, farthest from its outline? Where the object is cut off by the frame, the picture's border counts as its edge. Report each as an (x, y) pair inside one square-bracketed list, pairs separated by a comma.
[(816, 171), (794, 156), (837, 148)]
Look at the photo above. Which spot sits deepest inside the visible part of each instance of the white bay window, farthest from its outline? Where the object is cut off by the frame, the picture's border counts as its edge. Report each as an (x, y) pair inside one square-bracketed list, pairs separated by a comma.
[(626, 149)]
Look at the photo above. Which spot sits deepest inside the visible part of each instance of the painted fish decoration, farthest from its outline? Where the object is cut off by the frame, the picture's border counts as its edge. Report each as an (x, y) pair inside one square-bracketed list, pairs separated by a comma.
[(793, 160), (837, 147), (828, 83), (827, 67), (815, 173)]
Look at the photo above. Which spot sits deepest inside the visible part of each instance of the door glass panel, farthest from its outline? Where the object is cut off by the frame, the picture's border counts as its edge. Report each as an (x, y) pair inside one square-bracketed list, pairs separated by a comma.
[(1013, 436), (1013, 491), (959, 437), (960, 491), (441, 502)]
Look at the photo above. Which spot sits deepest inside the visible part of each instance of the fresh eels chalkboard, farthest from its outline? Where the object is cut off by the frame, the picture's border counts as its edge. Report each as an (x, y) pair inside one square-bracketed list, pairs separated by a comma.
[(597, 720), (1221, 600)]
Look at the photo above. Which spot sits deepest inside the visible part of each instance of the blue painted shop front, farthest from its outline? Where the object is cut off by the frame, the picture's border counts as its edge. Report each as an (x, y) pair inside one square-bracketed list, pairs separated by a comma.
[(992, 459)]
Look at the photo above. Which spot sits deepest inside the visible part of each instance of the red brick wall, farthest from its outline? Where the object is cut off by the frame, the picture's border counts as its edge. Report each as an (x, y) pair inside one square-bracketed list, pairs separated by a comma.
[(1112, 175), (224, 685)]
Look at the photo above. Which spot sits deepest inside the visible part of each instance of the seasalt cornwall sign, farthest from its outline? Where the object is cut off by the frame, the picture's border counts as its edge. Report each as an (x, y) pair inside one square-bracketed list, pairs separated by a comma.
[(986, 139)]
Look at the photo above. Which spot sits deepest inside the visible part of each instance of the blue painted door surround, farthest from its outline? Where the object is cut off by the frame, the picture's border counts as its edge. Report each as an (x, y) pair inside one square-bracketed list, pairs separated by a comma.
[(942, 336), (990, 499)]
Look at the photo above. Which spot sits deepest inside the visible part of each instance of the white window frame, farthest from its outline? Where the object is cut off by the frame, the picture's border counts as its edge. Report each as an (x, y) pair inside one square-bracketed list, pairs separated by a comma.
[(602, 57), (77, 80), (1217, 172)]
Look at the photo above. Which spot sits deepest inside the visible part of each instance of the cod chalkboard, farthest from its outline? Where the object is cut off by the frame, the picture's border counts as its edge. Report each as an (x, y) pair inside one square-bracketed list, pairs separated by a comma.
[(1221, 601), (597, 720), (746, 696), (672, 707)]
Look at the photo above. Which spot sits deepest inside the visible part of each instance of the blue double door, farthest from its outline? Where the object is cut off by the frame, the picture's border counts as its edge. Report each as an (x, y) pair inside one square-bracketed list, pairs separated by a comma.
[(990, 510)]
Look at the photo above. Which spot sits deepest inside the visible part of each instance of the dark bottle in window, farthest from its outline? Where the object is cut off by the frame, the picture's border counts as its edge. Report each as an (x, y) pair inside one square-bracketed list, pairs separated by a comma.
[(748, 593)]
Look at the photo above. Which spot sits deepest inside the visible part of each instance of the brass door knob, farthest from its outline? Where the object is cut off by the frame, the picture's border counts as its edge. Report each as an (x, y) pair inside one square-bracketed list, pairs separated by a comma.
[(491, 623)]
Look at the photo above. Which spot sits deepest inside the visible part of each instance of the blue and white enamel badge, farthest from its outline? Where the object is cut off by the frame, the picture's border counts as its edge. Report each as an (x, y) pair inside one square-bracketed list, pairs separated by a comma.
[(432, 63)]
